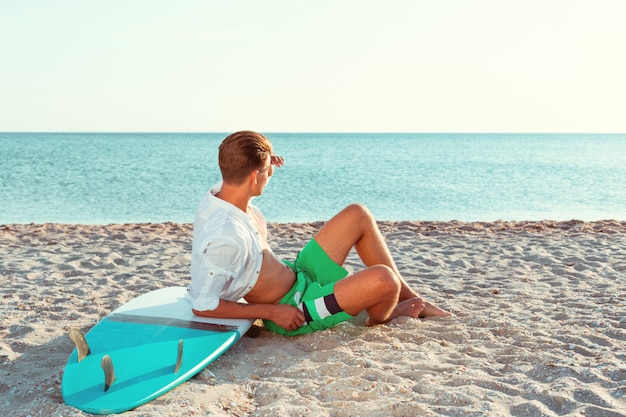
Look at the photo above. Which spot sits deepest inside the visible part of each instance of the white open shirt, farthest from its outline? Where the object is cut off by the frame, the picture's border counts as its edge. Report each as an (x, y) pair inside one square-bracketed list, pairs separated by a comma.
[(227, 251)]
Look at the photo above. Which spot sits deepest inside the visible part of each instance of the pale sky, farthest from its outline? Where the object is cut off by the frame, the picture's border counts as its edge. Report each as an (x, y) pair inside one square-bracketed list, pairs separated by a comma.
[(313, 66)]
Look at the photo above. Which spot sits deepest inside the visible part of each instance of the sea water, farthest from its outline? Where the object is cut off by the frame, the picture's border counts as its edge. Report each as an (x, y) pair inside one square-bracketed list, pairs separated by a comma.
[(101, 178)]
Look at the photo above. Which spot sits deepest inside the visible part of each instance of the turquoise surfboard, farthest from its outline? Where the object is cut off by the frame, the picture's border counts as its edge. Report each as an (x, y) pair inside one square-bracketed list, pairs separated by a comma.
[(142, 350)]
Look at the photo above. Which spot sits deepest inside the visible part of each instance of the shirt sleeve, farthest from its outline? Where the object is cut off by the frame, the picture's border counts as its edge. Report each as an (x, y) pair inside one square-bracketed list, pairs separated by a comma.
[(219, 264)]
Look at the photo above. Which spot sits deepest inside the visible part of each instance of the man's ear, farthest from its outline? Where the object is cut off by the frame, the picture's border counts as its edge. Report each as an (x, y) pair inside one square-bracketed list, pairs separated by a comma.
[(254, 177)]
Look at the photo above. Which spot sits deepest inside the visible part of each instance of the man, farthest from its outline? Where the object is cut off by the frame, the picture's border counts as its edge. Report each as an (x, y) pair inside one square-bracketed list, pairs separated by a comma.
[(231, 258)]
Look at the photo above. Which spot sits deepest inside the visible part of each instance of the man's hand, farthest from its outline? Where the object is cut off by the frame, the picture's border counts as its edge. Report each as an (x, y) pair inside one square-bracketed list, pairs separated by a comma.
[(287, 317), (278, 161)]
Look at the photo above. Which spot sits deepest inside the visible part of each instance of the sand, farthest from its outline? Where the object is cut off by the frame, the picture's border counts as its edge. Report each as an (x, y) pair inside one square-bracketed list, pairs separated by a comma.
[(539, 325)]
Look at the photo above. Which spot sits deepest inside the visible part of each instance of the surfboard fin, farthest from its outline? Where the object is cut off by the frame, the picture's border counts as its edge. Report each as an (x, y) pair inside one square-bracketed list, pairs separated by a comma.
[(179, 359), (81, 344), (109, 372)]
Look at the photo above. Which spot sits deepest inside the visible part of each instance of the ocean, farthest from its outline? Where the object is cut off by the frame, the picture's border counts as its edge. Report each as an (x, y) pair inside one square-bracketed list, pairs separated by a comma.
[(102, 178)]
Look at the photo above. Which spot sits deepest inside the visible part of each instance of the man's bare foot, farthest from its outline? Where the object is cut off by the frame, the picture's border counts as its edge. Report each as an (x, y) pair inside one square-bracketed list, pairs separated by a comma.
[(413, 307), (410, 308), (430, 310)]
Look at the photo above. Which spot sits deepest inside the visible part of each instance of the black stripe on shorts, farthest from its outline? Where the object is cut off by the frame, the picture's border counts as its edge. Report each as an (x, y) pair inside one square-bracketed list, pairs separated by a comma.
[(332, 305)]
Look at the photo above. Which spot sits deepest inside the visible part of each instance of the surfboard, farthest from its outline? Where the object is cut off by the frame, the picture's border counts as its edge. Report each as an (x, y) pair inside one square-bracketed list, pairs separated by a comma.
[(143, 349)]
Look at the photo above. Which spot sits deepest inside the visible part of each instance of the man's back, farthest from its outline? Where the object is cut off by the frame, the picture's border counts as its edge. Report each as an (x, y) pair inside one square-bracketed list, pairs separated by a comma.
[(227, 253)]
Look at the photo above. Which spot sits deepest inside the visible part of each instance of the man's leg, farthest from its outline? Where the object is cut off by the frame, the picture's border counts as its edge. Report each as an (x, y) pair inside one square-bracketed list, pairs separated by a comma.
[(355, 226), (376, 290)]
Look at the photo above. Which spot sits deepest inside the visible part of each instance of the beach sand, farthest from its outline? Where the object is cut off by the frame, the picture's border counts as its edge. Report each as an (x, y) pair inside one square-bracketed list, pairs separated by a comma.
[(539, 325)]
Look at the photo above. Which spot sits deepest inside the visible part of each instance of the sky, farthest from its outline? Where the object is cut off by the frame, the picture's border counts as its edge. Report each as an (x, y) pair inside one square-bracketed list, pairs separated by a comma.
[(314, 66)]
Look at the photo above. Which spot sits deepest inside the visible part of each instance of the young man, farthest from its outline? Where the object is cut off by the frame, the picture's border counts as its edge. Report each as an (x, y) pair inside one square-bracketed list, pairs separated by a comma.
[(231, 258)]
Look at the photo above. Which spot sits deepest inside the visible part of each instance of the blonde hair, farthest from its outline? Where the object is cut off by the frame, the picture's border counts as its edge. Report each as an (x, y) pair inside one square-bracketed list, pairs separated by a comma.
[(241, 153)]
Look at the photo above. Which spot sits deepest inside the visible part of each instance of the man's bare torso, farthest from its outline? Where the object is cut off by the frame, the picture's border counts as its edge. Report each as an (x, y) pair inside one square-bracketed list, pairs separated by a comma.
[(275, 280)]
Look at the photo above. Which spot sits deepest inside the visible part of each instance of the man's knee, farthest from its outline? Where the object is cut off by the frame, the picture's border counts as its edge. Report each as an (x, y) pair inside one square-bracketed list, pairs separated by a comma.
[(359, 210), (369, 287), (385, 280)]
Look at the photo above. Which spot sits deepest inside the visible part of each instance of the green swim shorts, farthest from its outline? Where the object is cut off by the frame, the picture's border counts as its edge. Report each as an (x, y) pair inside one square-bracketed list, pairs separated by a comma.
[(313, 292)]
